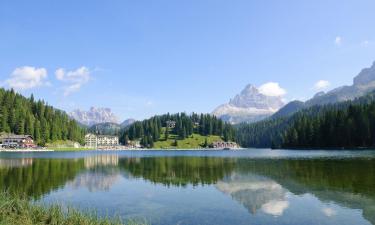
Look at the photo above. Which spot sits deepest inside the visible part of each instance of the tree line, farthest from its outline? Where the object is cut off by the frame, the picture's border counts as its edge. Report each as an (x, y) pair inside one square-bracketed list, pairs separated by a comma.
[(346, 124), (334, 128), (150, 130), (21, 115)]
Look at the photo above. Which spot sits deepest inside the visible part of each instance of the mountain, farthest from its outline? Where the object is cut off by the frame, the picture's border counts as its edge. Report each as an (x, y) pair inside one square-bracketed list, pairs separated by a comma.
[(289, 109), (94, 116), (343, 124), (127, 123), (363, 83), (105, 128), (248, 106)]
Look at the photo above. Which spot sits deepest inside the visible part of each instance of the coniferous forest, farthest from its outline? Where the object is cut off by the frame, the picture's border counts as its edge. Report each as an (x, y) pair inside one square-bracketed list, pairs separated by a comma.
[(21, 115), (349, 124), (150, 130)]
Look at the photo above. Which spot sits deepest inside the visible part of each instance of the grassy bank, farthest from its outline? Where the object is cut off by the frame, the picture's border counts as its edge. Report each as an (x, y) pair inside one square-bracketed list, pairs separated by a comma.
[(17, 210), (195, 141)]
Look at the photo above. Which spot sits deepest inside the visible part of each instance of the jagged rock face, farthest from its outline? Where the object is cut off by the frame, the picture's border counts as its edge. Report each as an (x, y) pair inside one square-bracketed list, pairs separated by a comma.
[(248, 106), (94, 116), (365, 77), (363, 83), (250, 97)]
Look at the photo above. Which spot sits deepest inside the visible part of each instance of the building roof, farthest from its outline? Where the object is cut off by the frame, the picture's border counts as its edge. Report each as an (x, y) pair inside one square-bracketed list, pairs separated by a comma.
[(15, 136)]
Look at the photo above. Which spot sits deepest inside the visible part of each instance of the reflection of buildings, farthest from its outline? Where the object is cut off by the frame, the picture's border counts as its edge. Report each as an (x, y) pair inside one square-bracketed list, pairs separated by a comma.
[(15, 163), (255, 193), (101, 160)]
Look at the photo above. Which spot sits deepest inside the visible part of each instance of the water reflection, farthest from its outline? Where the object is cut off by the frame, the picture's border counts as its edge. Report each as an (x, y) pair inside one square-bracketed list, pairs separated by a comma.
[(255, 192), (277, 188), (179, 171), (14, 163), (101, 160), (95, 181)]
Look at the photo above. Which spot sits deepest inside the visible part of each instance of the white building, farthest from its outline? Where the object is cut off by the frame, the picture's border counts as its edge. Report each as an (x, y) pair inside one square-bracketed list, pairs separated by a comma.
[(107, 140), (91, 141), (94, 141)]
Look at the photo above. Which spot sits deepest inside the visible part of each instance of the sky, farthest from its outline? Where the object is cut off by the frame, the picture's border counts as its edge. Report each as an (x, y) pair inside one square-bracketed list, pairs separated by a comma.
[(142, 58)]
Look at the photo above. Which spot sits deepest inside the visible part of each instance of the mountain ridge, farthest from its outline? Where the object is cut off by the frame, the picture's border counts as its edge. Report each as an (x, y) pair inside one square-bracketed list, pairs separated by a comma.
[(248, 106)]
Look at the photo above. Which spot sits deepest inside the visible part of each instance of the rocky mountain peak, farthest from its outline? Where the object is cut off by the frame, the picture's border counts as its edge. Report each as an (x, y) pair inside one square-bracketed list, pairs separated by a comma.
[(94, 116), (250, 97), (250, 90), (249, 106), (365, 77)]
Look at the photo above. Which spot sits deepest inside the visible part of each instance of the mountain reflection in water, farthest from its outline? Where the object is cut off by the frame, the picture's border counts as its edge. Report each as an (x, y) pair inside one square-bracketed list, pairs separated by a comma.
[(261, 186)]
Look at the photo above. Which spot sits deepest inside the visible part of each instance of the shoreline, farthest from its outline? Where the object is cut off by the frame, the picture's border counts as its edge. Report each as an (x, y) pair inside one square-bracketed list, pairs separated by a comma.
[(120, 150), (26, 150)]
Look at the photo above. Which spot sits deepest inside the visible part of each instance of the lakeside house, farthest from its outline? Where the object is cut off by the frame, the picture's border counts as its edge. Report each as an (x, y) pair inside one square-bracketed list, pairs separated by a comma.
[(171, 124), (17, 141), (225, 144), (95, 141)]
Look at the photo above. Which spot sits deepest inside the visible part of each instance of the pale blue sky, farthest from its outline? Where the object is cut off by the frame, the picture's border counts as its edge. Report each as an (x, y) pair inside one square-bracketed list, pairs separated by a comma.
[(142, 58)]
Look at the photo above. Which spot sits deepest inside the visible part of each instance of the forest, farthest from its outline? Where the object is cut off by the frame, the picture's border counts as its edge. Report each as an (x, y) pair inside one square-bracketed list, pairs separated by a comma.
[(21, 115), (349, 124), (150, 130)]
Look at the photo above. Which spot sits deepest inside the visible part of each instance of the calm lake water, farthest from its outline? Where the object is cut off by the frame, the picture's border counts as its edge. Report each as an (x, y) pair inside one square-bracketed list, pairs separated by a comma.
[(202, 187)]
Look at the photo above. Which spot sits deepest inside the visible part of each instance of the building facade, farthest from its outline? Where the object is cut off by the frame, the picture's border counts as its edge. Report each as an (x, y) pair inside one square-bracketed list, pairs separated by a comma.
[(91, 141), (107, 140), (17, 141), (94, 141)]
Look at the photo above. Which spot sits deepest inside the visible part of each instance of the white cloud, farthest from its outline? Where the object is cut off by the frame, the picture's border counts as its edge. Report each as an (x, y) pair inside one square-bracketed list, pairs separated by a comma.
[(365, 43), (27, 77), (75, 79), (338, 41), (272, 89), (329, 212), (321, 84), (275, 208)]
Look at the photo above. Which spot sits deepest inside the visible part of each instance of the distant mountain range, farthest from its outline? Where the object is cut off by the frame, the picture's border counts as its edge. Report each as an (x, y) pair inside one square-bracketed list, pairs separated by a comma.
[(249, 106), (100, 120), (252, 106), (94, 116), (363, 84)]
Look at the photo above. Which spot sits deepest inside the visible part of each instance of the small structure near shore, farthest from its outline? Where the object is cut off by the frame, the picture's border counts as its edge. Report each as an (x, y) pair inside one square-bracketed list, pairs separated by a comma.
[(17, 141), (225, 145)]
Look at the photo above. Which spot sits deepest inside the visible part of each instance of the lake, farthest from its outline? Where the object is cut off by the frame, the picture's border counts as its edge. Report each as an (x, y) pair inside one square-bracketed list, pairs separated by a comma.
[(202, 187)]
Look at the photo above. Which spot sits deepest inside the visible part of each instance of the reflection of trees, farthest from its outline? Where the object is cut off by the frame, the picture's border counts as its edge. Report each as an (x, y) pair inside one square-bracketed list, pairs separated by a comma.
[(179, 171), (43, 176), (348, 182)]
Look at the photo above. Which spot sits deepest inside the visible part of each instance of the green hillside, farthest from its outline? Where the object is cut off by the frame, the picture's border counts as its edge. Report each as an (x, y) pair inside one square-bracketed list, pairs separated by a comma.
[(186, 131), (190, 142)]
